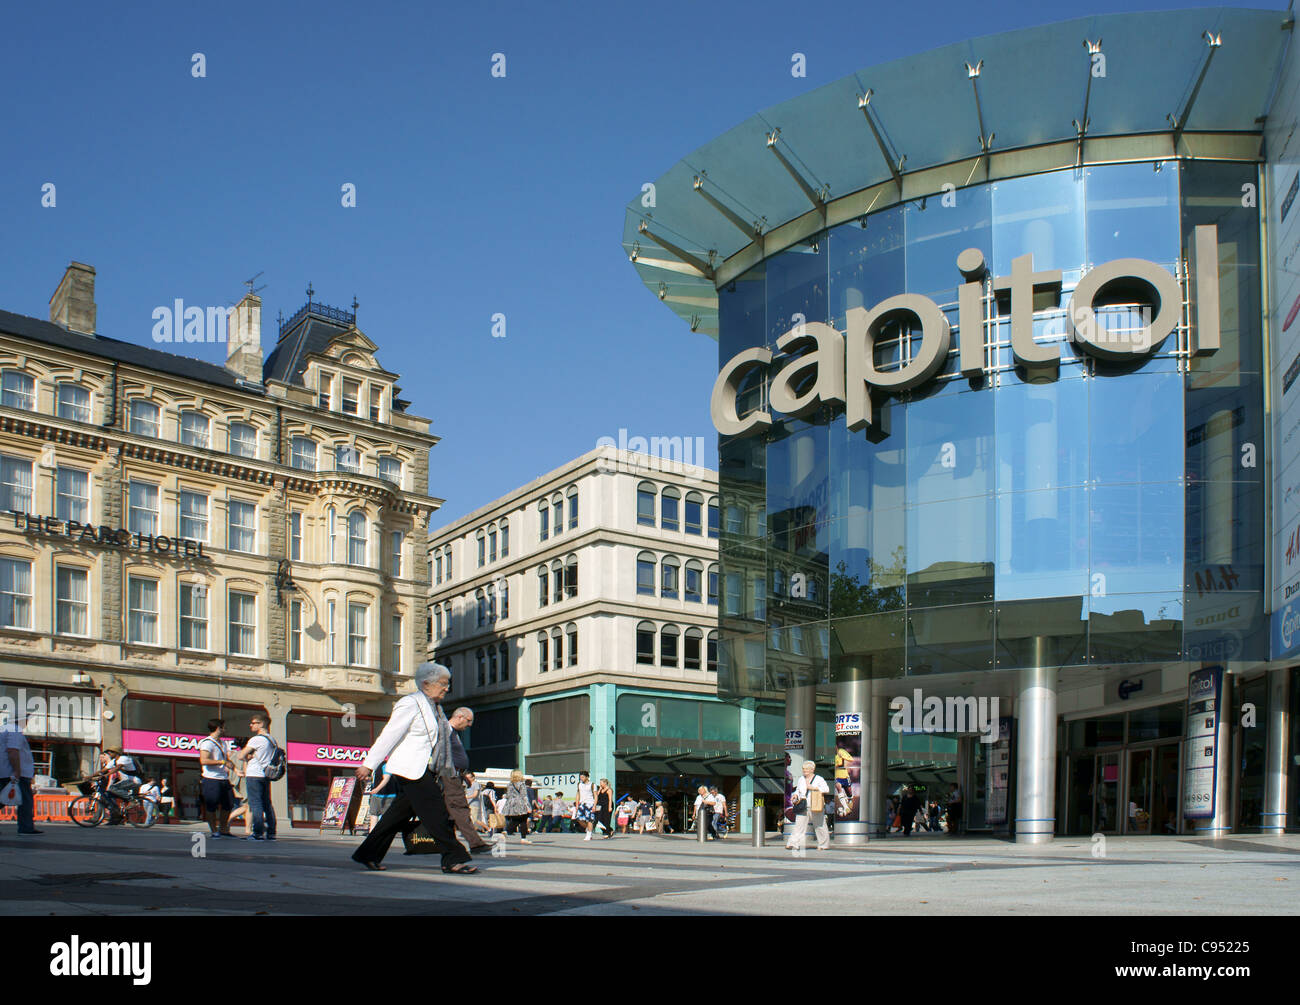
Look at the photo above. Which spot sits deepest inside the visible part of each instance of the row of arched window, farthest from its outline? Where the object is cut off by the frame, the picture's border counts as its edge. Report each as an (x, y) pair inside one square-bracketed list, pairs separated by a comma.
[(551, 513), (667, 510), (690, 650), (562, 579), (667, 577), (489, 538)]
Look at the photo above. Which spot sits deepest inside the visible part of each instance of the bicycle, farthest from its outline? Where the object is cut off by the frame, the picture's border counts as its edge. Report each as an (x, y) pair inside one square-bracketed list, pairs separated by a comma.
[(93, 809)]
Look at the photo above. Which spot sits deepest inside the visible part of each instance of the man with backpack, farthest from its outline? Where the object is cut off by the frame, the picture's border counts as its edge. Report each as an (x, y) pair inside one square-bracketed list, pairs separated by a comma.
[(266, 763)]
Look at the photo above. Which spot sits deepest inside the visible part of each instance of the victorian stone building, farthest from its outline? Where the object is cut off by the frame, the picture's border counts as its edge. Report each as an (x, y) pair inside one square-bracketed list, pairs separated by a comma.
[(181, 540)]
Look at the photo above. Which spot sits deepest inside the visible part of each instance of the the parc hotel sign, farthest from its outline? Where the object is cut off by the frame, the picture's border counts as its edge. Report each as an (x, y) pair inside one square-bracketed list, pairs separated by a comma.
[(835, 368)]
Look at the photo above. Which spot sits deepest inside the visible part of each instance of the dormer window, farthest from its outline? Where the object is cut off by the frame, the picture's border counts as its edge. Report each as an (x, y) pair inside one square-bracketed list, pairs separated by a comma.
[(351, 393), (376, 401), (325, 387)]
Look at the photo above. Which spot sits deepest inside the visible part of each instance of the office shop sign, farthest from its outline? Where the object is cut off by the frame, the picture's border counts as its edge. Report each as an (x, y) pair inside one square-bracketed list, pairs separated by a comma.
[(111, 537), (839, 369)]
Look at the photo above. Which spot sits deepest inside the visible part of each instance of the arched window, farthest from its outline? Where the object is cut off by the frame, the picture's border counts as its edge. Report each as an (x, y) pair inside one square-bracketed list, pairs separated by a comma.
[(505, 599), (357, 537), (491, 591), (481, 549), (668, 638), (668, 506), (557, 512), (492, 664), (482, 668), (557, 582), (694, 514), (571, 577), (542, 664), (331, 532), (480, 603), (557, 649), (544, 519), (645, 504), (713, 584), (504, 655), (712, 654), (645, 574), (542, 593), (505, 538), (571, 630), (694, 643), (695, 581), (573, 507), (437, 568), (713, 517), (492, 544), (645, 643), (668, 578)]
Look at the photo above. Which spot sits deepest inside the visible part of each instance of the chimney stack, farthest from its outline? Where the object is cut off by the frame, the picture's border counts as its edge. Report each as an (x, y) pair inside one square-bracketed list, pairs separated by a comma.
[(244, 339), (73, 303)]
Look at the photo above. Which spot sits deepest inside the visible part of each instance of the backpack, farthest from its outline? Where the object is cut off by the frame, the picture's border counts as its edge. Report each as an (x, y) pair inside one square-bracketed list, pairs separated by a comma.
[(278, 764)]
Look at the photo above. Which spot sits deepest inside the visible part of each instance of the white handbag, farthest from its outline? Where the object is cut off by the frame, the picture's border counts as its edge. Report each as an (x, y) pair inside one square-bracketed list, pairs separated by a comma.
[(11, 795)]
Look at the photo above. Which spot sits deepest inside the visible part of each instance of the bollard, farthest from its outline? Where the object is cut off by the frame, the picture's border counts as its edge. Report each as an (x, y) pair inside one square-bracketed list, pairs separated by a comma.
[(759, 824), (702, 825)]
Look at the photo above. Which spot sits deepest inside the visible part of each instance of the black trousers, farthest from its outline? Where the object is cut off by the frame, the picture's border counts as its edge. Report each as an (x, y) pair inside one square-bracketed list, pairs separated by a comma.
[(421, 798)]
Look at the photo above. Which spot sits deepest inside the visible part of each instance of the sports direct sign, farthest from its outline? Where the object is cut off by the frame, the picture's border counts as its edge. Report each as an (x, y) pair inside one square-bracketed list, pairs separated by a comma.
[(146, 741), (325, 753)]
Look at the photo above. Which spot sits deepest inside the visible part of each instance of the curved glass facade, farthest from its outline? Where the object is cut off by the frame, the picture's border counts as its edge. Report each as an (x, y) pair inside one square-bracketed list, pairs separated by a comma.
[(1112, 515)]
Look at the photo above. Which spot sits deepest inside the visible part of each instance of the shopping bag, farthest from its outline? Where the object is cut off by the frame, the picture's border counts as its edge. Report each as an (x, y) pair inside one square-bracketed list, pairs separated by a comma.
[(11, 794)]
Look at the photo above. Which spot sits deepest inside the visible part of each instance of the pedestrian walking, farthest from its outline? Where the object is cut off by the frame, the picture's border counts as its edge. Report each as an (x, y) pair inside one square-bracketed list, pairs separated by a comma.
[(214, 780), (474, 797), (661, 819), (491, 809), (934, 817), (584, 807), (149, 794), (559, 813), (240, 803), (516, 807), (703, 804), (643, 816), (810, 793), (719, 822), (166, 799), (19, 768), (454, 791), (908, 809), (625, 810), (954, 810), (605, 807), (256, 755), (416, 742)]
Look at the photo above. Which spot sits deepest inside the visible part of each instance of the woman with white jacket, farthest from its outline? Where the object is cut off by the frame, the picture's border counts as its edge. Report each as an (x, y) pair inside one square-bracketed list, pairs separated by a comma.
[(810, 790)]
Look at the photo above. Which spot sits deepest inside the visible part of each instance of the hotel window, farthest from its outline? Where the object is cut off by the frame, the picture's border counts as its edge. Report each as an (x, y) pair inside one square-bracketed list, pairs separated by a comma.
[(357, 615), (324, 390), (572, 632), (71, 600), (330, 630), (396, 538), (351, 391), (505, 538), (645, 574), (243, 624), (557, 582), (142, 418), (73, 403), (645, 504), (302, 453), (505, 662), (390, 470), (734, 597), (505, 600), (482, 667), (241, 527), (557, 649), (480, 606), (72, 495), (693, 512), (15, 484), (15, 593), (712, 665), (17, 390), (542, 595), (713, 585), (481, 550), (194, 616), (573, 509), (796, 640), (347, 458), (571, 577), (331, 533), (557, 513), (295, 631), (195, 427), (668, 646), (694, 639), (142, 610), (241, 439), (193, 516), (713, 518), (668, 509), (645, 643), (492, 544), (668, 578), (694, 582), (357, 537), (142, 508), (376, 402), (544, 515), (542, 662), (295, 536), (735, 520), (492, 664), (397, 643)]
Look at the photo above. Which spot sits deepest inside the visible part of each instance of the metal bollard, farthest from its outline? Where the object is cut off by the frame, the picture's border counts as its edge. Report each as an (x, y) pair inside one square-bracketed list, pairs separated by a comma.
[(702, 825), (759, 824)]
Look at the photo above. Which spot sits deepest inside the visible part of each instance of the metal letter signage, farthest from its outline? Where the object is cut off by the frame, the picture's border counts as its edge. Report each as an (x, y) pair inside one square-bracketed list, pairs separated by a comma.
[(819, 366)]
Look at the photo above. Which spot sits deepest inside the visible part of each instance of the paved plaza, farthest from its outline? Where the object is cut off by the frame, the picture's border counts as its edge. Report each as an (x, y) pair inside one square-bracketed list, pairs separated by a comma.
[(121, 871)]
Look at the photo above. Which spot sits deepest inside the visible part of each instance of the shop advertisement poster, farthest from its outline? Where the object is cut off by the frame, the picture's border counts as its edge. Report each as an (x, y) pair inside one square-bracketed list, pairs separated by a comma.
[(1204, 689), (342, 788), (793, 752), (848, 765), (998, 782), (363, 814)]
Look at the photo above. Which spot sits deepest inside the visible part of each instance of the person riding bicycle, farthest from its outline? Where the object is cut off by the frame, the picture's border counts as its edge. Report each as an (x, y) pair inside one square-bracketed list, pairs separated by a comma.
[(120, 779)]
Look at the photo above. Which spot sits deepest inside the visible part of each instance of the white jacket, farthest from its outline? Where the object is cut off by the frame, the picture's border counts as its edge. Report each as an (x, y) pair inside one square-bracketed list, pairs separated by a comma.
[(407, 740)]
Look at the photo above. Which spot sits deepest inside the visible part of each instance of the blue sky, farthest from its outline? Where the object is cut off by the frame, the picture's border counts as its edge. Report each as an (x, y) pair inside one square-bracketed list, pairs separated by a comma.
[(475, 195)]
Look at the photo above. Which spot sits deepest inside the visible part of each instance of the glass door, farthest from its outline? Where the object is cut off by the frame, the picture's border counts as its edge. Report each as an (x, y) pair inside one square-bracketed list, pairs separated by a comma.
[(1106, 820), (1141, 790), (1164, 808), (1083, 793)]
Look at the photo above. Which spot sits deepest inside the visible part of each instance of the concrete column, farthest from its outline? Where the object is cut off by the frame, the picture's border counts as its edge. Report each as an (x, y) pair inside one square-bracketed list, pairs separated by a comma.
[(1220, 825), (875, 761), (1277, 751), (525, 734), (800, 713), (747, 709), (280, 790), (602, 733), (853, 697), (1036, 755)]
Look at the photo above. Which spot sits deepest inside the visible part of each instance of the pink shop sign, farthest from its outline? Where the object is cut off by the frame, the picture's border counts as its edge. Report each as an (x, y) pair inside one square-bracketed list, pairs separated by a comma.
[(148, 741), (325, 753)]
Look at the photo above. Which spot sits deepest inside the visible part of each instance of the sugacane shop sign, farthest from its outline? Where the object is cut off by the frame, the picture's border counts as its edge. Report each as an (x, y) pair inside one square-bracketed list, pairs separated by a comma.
[(84, 533), (835, 368)]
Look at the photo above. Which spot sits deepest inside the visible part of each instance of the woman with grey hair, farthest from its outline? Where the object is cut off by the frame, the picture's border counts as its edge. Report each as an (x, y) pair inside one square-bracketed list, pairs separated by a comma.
[(416, 742), (810, 795)]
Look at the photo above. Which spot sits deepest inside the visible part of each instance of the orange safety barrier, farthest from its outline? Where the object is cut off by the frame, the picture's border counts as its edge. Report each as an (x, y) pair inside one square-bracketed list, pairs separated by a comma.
[(46, 807)]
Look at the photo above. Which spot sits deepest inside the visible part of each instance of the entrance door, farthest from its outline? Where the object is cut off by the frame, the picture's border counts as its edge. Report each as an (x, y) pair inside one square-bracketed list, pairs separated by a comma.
[(1106, 820), (1141, 790), (1094, 794), (1164, 808)]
